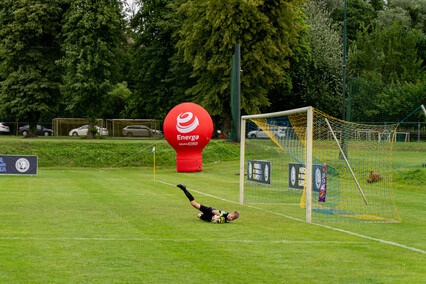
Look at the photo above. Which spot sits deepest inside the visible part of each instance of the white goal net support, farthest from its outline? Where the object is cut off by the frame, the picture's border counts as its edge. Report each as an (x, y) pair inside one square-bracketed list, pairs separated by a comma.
[(332, 170)]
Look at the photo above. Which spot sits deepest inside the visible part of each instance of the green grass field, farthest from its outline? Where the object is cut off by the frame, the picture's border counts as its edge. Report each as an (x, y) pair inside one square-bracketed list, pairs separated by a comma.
[(119, 225)]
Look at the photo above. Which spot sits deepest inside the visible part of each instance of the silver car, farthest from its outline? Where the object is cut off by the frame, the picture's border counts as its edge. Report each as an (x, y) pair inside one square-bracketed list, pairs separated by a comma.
[(141, 131), (259, 133)]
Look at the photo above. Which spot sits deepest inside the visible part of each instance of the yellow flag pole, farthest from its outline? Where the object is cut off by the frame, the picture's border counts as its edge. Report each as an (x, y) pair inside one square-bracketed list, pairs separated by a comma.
[(153, 150)]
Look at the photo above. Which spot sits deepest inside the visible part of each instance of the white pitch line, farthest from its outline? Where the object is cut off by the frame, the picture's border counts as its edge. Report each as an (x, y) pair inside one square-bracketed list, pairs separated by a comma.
[(173, 240), (81, 193), (303, 221)]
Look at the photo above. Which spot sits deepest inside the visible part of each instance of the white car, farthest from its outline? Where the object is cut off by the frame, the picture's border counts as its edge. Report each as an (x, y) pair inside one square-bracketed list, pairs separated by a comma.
[(82, 130), (259, 133), (4, 129)]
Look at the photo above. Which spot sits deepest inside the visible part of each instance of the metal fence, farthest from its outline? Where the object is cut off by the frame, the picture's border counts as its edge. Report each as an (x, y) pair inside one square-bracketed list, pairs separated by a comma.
[(61, 127), (407, 131), (15, 126)]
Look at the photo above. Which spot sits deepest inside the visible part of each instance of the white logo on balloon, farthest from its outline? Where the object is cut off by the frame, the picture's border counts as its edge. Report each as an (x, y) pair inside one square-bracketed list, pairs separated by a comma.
[(182, 122)]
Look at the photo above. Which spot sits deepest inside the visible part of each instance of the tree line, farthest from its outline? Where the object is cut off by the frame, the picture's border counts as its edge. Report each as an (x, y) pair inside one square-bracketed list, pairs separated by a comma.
[(101, 58)]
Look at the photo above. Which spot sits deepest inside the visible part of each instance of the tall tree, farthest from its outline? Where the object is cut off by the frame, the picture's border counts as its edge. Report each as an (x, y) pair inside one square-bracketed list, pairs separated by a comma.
[(320, 80), (158, 75), (330, 5), (416, 10), (377, 5), (115, 101), (266, 30), (387, 55), (386, 17), (29, 48), (93, 40), (359, 13), (289, 93)]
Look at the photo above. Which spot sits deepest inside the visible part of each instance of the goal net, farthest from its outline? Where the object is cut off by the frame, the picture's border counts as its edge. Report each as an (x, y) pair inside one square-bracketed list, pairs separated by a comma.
[(336, 171)]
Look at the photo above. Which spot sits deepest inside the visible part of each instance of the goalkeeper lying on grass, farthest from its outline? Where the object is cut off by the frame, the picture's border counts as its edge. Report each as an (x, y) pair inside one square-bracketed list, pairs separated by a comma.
[(209, 213)]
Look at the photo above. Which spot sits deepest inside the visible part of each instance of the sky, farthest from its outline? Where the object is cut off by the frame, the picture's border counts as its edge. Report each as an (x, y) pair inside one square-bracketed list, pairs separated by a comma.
[(132, 5)]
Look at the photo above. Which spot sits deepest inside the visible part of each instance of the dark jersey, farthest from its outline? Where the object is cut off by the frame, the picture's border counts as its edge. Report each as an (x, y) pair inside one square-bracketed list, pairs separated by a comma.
[(208, 215)]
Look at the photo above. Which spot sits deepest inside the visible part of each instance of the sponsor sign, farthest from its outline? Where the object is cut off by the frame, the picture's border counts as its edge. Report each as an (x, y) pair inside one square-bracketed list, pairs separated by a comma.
[(259, 171), (187, 122), (323, 189), (297, 176), (18, 165), (188, 128)]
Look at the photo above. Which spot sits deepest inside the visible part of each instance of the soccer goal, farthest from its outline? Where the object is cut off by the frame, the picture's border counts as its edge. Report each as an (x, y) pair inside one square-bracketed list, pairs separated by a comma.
[(318, 163)]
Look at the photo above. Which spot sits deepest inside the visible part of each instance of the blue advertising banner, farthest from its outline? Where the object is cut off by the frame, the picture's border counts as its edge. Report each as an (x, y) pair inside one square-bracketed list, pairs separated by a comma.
[(18, 165), (259, 171), (296, 174)]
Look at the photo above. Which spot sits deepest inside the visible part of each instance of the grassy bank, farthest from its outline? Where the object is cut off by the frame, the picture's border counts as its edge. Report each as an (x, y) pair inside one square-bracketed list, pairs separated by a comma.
[(70, 152), (103, 153)]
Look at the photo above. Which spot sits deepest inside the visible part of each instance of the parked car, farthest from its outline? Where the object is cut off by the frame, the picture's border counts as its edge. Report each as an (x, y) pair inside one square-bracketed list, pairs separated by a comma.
[(259, 133), (82, 130), (24, 130), (4, 129), (141, 131)]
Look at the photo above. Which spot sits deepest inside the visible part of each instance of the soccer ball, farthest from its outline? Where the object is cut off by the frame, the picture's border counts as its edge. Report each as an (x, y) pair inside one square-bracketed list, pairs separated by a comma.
[(218, 219)]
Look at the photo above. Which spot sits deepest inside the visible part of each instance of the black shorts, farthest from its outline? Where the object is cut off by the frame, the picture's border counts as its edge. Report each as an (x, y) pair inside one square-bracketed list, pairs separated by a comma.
[(207, 212)]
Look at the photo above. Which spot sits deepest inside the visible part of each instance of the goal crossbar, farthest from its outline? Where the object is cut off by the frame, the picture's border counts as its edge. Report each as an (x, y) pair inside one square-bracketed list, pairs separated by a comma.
[(276, 114)]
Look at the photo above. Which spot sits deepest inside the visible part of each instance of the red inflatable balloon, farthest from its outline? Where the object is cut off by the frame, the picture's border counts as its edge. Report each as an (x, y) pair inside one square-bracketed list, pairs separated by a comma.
[(188, 128)]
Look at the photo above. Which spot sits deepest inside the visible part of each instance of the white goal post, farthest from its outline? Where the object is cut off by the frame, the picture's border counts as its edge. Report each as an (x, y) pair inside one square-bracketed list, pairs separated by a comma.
[(309, 137)]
